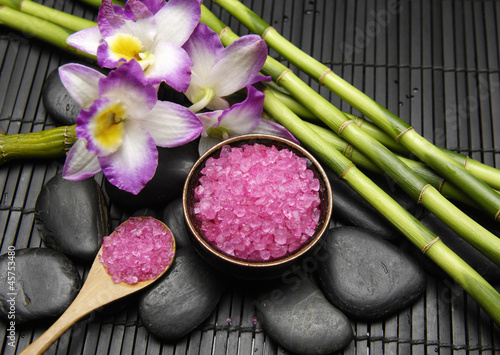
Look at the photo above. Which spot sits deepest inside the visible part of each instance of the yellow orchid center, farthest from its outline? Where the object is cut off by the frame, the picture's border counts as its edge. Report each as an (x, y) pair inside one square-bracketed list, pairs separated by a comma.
[(129, 47), (108, 127)]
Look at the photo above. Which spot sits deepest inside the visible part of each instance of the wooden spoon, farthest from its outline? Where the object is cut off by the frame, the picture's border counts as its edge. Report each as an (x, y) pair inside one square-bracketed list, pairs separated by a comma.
[(97, 291)]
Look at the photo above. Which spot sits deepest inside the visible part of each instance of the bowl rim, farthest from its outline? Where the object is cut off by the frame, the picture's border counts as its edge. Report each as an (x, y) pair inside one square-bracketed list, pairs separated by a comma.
[(266, 263)]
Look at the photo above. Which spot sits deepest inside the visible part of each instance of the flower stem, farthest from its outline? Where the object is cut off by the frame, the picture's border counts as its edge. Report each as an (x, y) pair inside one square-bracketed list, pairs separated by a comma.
[(39, 28), (207, 96), (480, 192), (60, 18), (50, 143)]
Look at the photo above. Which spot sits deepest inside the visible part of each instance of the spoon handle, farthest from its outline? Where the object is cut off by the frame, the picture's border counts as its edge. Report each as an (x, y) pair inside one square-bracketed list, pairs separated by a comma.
[(67, 319)]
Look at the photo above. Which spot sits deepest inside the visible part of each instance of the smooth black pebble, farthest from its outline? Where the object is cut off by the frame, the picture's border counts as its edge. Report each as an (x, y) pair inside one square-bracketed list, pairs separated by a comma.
[(58, 102), (72, 216), (173, 217), (350, 209), (167, 183), (367, 277), (45, 284), (298, 317), (182, 299)]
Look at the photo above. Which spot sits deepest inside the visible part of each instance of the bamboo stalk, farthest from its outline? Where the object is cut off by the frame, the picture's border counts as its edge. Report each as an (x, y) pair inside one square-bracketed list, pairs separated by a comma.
[(480, 192), (49, 143), (416, 187), (39, 28), (60, 18), (417, 233)]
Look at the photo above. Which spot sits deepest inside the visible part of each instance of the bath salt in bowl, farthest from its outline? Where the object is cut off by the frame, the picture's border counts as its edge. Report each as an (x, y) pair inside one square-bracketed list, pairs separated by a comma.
[(255, 204), (138, 250)]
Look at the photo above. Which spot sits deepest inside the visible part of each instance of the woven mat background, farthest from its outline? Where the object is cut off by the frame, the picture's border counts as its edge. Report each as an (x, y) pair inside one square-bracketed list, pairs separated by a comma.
[(435, 63)]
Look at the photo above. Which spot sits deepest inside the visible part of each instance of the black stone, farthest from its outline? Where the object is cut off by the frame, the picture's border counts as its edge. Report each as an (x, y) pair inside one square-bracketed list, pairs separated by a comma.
[(45, 284), (367, 277), (350, 209), (182, 299), (58, 102), (298, 317), (173, 217), (482, 264), (167, 183), (72, 216)]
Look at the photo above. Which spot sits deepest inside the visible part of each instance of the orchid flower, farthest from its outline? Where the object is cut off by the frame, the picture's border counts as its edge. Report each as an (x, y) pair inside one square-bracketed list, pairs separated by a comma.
[(241, 118), (121, 124), (150, 31), (218, 71)]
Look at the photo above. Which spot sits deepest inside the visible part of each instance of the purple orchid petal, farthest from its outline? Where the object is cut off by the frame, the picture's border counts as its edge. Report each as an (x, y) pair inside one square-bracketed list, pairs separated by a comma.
[(243, 117), (177, 20), (238, 65), (134, 164), (80, 164), (86, 40), (172, 125), (109, 18), (269, 127), (81, 82), (127, 84), (171, 64), (135, 9), (153, 5)]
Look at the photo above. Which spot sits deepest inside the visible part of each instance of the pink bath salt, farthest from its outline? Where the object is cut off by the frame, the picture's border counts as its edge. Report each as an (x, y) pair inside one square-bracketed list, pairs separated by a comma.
[(138, 250), (256, 202)]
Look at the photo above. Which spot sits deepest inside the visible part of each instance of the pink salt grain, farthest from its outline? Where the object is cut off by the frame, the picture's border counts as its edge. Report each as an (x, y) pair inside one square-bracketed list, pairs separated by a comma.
[(256, 202), (138, 250)]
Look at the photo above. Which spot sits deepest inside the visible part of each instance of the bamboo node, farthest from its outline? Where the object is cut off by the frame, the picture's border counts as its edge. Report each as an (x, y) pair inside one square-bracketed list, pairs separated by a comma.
[(223, 32), (347, 151), (497, 215), (282, 75), (344, 125), (421, 196), (428, 245), (346, 170), (266, 31), (441, 184), (359, 121), (402, 133), (465, 161), (322, 77)]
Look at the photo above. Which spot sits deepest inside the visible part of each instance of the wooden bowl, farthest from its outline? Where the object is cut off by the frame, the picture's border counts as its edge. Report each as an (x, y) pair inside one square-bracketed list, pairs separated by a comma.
[(247, 269)]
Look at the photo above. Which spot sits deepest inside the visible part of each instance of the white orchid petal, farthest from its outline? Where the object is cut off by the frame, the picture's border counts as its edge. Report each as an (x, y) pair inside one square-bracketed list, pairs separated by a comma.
[(206, 143), (81, 82), (170, 63), (172, 125), (177, 20), (237, 66), (80, 164), (86, 40)]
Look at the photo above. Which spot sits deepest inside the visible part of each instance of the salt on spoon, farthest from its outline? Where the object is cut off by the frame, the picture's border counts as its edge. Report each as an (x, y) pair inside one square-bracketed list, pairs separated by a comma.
[(148, 239)]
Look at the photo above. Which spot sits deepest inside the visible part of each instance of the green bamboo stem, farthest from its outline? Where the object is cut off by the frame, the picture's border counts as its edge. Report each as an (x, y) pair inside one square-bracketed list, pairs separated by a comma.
[(416, 187), (60, 18), (49, 143), (97, 3), (39, 28), (480, 192), (417, 233), (363, 162), (486, 173)]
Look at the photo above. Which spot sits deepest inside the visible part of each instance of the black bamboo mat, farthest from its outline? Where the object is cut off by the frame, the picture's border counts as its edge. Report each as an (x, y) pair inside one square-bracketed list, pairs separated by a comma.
[(434, 63)]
